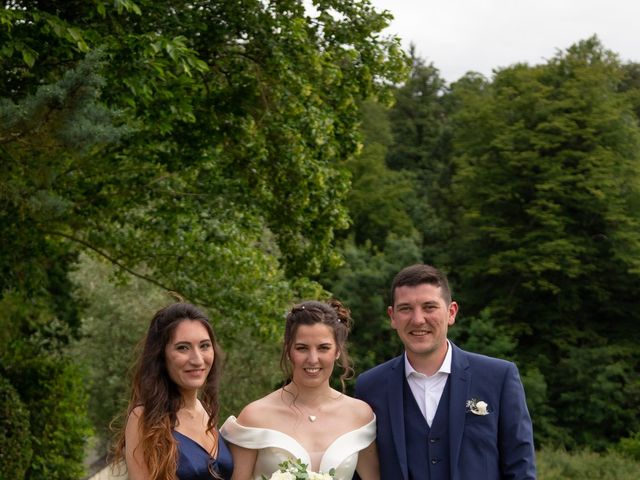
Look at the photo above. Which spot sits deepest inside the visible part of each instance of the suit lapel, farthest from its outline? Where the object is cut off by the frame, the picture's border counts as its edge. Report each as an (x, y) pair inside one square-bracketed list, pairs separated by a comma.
[(396, 412), (460, 382)]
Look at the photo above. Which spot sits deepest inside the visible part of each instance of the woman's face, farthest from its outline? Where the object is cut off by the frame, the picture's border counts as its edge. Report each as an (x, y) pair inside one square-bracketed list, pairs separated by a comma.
[(313, 354), (189, 355)]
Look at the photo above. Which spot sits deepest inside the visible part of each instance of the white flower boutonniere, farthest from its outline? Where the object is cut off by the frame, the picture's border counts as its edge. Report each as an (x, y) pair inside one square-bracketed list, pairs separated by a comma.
[(477, 407)]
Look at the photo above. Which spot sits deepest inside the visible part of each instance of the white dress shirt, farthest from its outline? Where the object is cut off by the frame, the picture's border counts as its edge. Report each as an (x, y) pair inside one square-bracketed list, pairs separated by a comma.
[(427, 390)]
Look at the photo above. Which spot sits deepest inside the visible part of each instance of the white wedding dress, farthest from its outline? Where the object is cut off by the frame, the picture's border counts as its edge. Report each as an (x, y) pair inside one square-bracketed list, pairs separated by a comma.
[(275, 447)]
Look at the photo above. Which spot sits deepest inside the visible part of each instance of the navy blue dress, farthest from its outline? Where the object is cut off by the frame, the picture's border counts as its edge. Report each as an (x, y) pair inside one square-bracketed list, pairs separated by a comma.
[(194, 460)]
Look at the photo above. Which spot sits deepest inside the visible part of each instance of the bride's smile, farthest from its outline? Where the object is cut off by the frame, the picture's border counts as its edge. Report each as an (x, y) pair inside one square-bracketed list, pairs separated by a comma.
[(306, 419), (313, 353)]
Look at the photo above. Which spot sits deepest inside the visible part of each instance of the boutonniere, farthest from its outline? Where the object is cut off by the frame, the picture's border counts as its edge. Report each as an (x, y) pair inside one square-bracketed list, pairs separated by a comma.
[(477, 407)]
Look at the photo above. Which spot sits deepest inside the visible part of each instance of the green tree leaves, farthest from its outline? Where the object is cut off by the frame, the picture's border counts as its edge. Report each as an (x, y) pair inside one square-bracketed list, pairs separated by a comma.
[(199, 145), (524, 188), (547, 177)]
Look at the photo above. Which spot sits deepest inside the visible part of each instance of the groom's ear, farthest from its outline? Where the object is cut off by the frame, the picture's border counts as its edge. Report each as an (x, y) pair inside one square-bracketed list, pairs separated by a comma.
[(453, 311), (390, 313)]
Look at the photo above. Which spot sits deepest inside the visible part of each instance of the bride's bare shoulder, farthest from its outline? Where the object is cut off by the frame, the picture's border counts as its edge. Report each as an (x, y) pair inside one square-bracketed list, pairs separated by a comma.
[(259, 412), (357, 410)]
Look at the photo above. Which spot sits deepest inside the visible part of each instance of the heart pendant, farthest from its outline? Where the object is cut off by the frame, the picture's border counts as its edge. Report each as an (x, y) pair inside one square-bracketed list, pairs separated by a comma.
[(312, 418)]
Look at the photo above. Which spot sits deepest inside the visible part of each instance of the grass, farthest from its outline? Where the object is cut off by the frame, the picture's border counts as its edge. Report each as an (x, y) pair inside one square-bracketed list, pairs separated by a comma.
[(585, 465)]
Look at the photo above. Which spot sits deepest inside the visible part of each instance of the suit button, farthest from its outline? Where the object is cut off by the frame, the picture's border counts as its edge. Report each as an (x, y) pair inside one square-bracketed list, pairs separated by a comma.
[(433, 440), (435, 460)]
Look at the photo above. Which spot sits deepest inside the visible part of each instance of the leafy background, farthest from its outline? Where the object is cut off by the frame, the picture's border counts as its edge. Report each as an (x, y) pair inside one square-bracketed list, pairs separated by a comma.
[(249, 154)]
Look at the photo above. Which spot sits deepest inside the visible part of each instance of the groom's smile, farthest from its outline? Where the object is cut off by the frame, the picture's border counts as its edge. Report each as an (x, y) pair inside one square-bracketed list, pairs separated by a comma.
[(421, 317)]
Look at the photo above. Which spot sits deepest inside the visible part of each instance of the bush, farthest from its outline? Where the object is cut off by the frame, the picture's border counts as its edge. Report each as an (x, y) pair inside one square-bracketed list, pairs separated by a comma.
[(15, 441), (52, 388), (561, 465), (629, 447)]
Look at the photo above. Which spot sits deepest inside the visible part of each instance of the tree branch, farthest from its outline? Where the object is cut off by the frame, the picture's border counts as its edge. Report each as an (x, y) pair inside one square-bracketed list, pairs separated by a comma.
[(86, 244)]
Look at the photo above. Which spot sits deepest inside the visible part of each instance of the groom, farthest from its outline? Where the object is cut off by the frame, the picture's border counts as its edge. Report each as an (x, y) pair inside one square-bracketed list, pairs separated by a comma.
[(443, 413)]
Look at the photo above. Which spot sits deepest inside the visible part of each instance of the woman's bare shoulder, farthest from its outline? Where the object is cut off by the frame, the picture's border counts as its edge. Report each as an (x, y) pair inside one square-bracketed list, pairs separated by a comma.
[(136, 412), (257, 413), (360, 412), (135, 415), (134, 422)]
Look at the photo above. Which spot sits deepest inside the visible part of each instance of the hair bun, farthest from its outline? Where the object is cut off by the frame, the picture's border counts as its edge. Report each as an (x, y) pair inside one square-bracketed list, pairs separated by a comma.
[(344, 314)]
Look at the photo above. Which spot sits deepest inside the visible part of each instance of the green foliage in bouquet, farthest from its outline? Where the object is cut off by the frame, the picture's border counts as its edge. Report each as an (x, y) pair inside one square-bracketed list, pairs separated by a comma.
[(296, 470)]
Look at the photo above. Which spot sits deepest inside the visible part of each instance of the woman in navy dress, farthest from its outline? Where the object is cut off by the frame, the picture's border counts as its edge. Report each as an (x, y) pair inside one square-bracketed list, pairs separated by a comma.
[(171, 431)]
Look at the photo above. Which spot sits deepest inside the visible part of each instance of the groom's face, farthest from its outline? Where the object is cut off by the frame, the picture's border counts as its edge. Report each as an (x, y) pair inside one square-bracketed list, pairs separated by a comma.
[(422, 317)]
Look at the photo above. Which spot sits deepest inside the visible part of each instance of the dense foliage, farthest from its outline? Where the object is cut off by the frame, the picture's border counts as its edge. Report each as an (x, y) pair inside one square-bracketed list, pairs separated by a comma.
[(213, 148), (15, 441), (196, 144), (547, 180), (526, 189), (52, 389)]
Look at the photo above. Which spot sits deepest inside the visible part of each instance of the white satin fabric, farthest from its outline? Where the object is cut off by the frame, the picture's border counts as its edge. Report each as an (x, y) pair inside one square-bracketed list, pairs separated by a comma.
[(275, 447)]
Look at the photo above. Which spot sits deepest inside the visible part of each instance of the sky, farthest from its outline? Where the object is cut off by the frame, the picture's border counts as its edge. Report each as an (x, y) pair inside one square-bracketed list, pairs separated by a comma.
[(458, 36)]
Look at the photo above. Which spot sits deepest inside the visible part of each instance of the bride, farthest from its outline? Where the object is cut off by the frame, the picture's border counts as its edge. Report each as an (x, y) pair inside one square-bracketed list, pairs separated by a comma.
[(307, 419)]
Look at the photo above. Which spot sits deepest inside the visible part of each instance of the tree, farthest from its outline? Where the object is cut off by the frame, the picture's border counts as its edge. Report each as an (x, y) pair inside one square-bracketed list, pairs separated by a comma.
[(381, 240), (242, 130), (377, 200), (547, 174), (421, 146), (418, 120), (197, 144)]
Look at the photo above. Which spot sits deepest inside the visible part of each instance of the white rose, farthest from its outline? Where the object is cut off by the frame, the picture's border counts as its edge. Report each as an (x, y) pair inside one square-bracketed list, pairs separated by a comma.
[(319, 476), (481, 407), (282, 476)]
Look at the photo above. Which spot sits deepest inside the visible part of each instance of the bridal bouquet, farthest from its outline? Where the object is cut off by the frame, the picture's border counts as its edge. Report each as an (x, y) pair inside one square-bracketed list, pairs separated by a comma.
[(297, 470)]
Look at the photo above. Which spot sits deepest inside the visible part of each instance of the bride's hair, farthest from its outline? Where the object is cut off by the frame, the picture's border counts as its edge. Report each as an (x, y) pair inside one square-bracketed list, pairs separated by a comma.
[(331, 313), (158, 395)]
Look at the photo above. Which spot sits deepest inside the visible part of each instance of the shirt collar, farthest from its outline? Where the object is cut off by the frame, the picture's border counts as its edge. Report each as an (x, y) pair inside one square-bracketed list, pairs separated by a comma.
[(444, 368)]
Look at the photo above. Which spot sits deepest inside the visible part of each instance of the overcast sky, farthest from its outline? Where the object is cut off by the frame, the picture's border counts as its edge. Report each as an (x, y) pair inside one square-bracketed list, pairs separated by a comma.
[(480, 35)]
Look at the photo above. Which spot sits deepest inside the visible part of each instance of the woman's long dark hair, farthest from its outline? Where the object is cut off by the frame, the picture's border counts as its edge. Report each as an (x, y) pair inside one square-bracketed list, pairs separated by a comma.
[(160, 398)]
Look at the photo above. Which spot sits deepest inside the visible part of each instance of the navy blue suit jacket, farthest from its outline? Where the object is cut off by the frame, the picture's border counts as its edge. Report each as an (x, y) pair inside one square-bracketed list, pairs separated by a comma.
[(495, 446)]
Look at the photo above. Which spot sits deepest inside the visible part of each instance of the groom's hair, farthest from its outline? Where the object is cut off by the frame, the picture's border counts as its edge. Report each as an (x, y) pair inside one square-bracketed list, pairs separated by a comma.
[(418, 274)]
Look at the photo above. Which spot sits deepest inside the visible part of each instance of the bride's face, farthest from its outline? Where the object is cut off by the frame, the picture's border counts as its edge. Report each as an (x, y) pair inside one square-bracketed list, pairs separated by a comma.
[(313, 354)]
